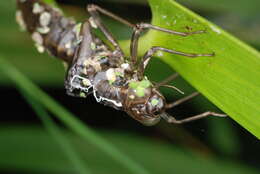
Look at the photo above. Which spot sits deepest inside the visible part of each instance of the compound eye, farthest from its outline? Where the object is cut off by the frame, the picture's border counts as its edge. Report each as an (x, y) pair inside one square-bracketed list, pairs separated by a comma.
[(156, 102)]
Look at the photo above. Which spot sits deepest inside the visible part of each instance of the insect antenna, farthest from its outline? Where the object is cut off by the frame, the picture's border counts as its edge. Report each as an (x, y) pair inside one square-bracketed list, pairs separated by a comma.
[(172, 87), (167, 80)]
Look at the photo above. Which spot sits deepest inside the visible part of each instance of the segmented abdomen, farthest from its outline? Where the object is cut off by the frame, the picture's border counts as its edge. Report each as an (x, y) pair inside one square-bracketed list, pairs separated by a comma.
[(49, 29)]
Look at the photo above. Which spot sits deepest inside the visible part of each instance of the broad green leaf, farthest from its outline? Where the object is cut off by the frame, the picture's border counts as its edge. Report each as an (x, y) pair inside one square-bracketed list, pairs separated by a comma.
[(240, 7), (230, 79)]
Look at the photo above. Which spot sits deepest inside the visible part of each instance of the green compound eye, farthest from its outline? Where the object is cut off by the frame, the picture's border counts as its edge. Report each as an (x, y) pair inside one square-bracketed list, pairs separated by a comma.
[(133, 85), (154, 102), (140, 91), (140, 87), (145, 83)]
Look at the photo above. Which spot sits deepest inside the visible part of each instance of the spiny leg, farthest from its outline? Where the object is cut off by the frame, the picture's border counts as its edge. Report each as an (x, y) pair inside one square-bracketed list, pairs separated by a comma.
[(85, 49), (148, 55), (93, 11), (171, 119), (74, 79), (110, 14), (140, 27), (182, 100), (150, 26)]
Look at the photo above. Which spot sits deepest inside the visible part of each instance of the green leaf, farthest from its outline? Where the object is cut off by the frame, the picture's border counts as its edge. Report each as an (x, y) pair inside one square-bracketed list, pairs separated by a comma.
[(240, 7), (230, 79), (50, 2), (44, 156)]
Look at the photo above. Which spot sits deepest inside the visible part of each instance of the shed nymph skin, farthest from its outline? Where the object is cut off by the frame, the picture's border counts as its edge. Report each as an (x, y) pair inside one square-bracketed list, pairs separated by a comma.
[(96, 68)]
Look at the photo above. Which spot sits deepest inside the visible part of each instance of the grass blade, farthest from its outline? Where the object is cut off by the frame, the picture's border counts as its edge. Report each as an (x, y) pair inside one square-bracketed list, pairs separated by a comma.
[(67, 118), (158, 156), (58, 136)]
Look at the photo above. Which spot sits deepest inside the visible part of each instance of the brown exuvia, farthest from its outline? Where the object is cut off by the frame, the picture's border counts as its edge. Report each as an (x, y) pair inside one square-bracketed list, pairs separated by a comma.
[(96, 68)]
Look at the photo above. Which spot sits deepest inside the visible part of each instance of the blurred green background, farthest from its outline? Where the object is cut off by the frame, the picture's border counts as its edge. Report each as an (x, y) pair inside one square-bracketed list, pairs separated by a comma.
[(213, 144)]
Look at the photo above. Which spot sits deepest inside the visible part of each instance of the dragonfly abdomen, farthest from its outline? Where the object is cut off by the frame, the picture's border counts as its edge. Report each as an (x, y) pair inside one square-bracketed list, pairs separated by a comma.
[(49, 29)]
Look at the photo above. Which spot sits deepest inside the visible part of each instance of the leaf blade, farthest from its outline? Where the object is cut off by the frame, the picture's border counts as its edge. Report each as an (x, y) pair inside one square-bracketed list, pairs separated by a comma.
[(230, 79)]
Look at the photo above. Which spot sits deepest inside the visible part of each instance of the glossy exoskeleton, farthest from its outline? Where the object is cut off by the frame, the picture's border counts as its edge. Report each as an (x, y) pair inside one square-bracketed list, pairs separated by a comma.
[(96, 68)]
